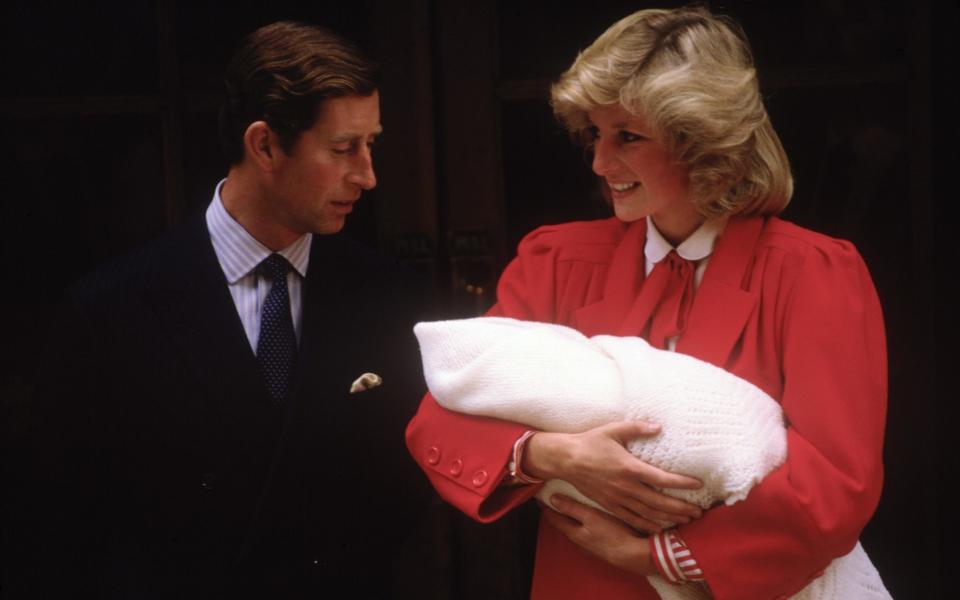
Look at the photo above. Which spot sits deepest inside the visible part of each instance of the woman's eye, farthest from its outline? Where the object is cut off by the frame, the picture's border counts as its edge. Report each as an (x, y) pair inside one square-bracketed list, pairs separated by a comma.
[(588, 138), (627, 137)]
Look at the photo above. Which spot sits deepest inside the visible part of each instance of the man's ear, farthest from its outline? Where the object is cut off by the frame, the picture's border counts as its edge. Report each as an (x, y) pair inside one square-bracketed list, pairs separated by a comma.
[(261, 145)]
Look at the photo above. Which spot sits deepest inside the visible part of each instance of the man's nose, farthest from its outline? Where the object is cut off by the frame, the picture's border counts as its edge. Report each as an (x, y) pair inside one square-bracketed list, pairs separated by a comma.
[(362, 173)]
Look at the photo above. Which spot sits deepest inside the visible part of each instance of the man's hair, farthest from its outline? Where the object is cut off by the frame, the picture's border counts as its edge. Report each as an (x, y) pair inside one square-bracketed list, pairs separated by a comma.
[(281, 74), (690, 75)]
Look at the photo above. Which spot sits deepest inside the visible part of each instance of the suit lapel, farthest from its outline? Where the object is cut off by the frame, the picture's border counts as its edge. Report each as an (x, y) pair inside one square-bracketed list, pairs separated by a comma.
[(193, 304), (324, 311), (195, 309), (721, 306)]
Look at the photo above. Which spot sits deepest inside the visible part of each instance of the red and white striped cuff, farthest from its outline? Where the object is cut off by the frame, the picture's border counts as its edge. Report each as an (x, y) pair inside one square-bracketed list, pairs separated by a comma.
[(673, 559), (516, 457)]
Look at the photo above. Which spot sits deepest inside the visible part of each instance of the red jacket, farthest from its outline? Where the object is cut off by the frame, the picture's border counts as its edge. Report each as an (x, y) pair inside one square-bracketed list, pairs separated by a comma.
[(792, 311)]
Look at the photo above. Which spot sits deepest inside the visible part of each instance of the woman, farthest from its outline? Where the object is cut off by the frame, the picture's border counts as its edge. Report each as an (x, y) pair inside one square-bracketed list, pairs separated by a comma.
[(694, 261)]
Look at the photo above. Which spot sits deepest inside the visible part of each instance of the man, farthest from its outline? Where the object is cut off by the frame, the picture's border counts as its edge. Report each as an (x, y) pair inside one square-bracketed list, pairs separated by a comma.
[(197, 434)]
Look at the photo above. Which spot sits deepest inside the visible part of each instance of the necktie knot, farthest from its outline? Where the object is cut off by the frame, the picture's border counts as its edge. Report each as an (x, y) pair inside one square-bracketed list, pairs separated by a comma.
[(275, 268)]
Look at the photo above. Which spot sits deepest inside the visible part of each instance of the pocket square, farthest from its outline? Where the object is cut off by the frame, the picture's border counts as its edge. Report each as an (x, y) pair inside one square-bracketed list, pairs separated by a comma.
[(365, 382)]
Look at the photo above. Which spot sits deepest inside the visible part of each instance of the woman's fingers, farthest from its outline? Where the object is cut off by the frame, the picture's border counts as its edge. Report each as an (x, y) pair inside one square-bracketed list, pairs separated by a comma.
[(639, 504), (637, 520), (651, 475), (600, 534), (641, 510), (657, 505), (598, 464), (627, 431), (563, 523), (649, 513)]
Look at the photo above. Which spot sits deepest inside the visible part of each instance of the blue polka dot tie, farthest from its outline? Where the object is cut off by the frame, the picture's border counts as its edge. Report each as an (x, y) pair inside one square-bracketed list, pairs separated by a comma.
[(277, 343)]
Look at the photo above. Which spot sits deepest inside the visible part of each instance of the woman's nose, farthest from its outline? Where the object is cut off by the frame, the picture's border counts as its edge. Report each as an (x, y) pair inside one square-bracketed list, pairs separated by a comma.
[(603, 158)]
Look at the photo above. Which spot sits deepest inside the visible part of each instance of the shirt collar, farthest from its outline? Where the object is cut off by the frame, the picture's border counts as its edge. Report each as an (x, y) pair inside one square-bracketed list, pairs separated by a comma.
[(696, 247), (239, 252)]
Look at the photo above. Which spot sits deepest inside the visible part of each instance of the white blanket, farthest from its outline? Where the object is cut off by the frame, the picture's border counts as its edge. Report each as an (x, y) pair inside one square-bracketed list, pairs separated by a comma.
[(716, 427)]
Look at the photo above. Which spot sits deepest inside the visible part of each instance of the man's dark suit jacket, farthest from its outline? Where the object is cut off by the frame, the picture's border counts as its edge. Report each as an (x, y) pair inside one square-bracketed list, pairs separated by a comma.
[(162, 468)]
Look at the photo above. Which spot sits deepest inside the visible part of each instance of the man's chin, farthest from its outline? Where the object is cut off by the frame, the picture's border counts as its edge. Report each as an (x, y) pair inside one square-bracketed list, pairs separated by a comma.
[(330, 225)]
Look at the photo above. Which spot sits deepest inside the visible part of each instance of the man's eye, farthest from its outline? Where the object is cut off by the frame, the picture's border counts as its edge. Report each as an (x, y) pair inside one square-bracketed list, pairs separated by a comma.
[(627, 137), (345, 149)]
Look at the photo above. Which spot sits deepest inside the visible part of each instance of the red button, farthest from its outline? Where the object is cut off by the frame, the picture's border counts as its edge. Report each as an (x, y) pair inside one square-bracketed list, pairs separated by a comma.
[(479, 478), (456, 467), (433, 455)]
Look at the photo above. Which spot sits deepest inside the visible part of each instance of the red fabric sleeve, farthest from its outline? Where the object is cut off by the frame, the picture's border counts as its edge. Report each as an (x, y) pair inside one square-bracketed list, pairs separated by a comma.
[(813, 508), (466, 457)]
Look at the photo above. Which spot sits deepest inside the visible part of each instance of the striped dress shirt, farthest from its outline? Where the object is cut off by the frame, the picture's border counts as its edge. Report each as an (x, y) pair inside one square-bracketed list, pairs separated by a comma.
[(239, 254)]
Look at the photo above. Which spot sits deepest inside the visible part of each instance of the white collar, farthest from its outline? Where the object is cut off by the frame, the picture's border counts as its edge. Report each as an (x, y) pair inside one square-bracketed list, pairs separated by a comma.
[(239, 252), (696, 247)]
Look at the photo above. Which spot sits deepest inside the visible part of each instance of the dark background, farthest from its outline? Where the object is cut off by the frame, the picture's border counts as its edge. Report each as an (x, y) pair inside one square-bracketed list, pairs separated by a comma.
[(108, 139)]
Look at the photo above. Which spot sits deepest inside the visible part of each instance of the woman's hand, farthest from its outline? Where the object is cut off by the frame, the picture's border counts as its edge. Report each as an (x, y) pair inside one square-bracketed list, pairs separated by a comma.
[(598, 464), (600, 534)]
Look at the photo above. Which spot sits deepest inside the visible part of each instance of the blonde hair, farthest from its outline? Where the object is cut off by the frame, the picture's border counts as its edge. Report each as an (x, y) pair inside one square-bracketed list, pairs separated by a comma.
[(690, 75)]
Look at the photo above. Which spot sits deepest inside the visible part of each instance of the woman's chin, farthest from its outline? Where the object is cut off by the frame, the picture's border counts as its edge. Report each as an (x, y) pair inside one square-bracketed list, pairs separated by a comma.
[(628, 214)]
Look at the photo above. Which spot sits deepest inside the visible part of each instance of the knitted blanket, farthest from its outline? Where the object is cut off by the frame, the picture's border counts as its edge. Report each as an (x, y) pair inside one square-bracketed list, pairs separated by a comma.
[(716, 427)]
